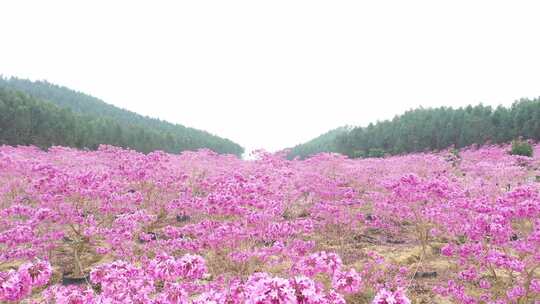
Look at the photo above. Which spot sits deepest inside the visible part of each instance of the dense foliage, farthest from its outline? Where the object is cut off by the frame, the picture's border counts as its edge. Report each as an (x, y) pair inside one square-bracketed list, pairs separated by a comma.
[(448, 227), (85, 121), (522, 148), (434, 129)]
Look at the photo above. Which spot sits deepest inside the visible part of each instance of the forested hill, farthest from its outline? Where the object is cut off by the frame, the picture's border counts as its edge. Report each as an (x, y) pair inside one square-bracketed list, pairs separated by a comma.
[(427, 129), (94, 122), (322, 143)]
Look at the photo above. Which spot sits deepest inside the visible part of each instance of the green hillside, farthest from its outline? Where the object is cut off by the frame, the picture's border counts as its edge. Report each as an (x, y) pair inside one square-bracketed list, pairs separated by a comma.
[(428, 129), (323, 143), (97, 122)]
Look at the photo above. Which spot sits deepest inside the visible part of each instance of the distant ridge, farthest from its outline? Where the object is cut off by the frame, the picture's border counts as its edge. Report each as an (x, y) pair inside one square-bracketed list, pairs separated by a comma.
[(97, 122)]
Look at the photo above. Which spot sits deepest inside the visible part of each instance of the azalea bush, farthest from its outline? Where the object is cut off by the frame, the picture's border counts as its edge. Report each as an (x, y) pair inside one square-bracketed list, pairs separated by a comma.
[(206, 228)]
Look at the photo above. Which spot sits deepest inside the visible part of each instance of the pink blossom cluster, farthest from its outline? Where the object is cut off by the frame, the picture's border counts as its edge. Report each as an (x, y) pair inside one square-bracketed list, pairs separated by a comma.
[(385, 296), (167, 268), (122, 282), (319, 262), (16, 285), (347, 282)]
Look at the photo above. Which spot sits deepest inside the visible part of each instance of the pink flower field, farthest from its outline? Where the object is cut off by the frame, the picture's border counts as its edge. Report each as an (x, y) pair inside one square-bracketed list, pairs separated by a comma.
[(117, 226)]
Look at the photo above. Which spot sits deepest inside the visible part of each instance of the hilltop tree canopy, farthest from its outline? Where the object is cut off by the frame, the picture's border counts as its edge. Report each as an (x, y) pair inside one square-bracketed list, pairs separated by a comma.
[(431, 129), (45, 114)]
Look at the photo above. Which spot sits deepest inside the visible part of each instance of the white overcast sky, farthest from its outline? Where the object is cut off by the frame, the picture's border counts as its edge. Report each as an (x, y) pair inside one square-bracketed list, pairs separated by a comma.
[(271, 74)]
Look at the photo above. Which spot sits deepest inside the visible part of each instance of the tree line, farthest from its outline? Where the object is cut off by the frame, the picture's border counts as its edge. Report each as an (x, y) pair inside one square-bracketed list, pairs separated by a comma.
[(43, 114), (428, 129)]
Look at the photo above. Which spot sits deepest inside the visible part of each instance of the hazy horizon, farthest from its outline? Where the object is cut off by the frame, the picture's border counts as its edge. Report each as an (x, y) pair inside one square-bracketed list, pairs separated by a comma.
[(273, 75)]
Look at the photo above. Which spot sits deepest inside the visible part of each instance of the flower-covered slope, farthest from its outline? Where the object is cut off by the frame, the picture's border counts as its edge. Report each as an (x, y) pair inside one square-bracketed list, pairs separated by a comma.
[(206, 228)]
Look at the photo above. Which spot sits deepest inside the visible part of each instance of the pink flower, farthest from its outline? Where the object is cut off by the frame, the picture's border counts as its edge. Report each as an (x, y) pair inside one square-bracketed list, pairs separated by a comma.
[(515, 293), (263, 289), (72, 295), (347, 282), (535, 285), (448, 250), (40, 272), (334, 298), (320, 262), (469, 274), (307, 291), (485, 284), (164, 267), (173, 293), (211, 297), (388, 297), (15, 285), (192, 266)]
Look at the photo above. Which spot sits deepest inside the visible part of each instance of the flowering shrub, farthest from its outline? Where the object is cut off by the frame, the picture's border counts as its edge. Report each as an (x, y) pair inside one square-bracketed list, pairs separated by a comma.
[(206, 228)]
